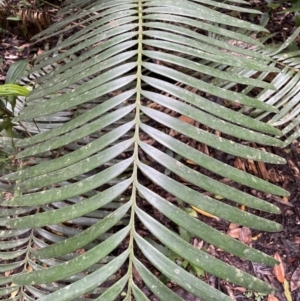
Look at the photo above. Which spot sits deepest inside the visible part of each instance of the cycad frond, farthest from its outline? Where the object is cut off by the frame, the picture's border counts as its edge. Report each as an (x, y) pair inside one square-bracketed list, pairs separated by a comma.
[(124, 79)]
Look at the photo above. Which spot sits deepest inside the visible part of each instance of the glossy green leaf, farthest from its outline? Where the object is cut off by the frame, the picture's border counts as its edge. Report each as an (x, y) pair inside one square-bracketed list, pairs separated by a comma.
[(9, 290), (79, 168), (200, 258), (211, 121), (219, 143), (5, 245), (213, 164), (87, 283), (11, 254), (15, 71), (74, 266), (78, 133), (154, 284), (138, 294), (91, 90), (13, 90), (207, 183), (81, 153), (70, 212), (210, 106), (177, 274), (190, 81), (71, 190), (185, 63), (209, 204), (13, 233), (200, 229), (83, 238), (78, 121), (114, 291), (10, 266)]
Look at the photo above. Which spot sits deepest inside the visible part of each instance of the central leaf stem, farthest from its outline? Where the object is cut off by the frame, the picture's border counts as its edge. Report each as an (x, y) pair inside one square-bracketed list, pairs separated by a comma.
[(136, 147)]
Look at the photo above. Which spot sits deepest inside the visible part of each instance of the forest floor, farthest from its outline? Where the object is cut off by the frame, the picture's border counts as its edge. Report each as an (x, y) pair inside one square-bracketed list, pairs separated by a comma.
[(15, 45)]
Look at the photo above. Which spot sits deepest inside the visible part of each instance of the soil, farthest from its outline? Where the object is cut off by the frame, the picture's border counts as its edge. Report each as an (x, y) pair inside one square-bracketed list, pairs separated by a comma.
[(14, 46)]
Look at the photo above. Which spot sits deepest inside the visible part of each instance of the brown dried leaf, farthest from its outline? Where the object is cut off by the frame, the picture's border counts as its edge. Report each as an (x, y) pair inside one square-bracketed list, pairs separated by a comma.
[(263, 170), (205, 150), (14, 293), (279, 269), (24, 46), (7, 273), (137, 276), (285, 199), (242, 234), (297, 240), (230, 292), (29, 268), (245, 236), (198, 244), (295, 280), (256, 237), (211, 250), (239, 164), (40, 51), (235, 233), (236, 105), (233, 226), (281, 201), (240, 289), (187, 119), (191, 162), (80, 251), (8, 196), (272, 298), (218, 133), (252, 167)]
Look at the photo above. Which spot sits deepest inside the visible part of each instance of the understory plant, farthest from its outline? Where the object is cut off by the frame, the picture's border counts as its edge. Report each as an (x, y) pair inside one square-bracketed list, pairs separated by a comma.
[(285, 7), (9, 93), (134, 115)]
